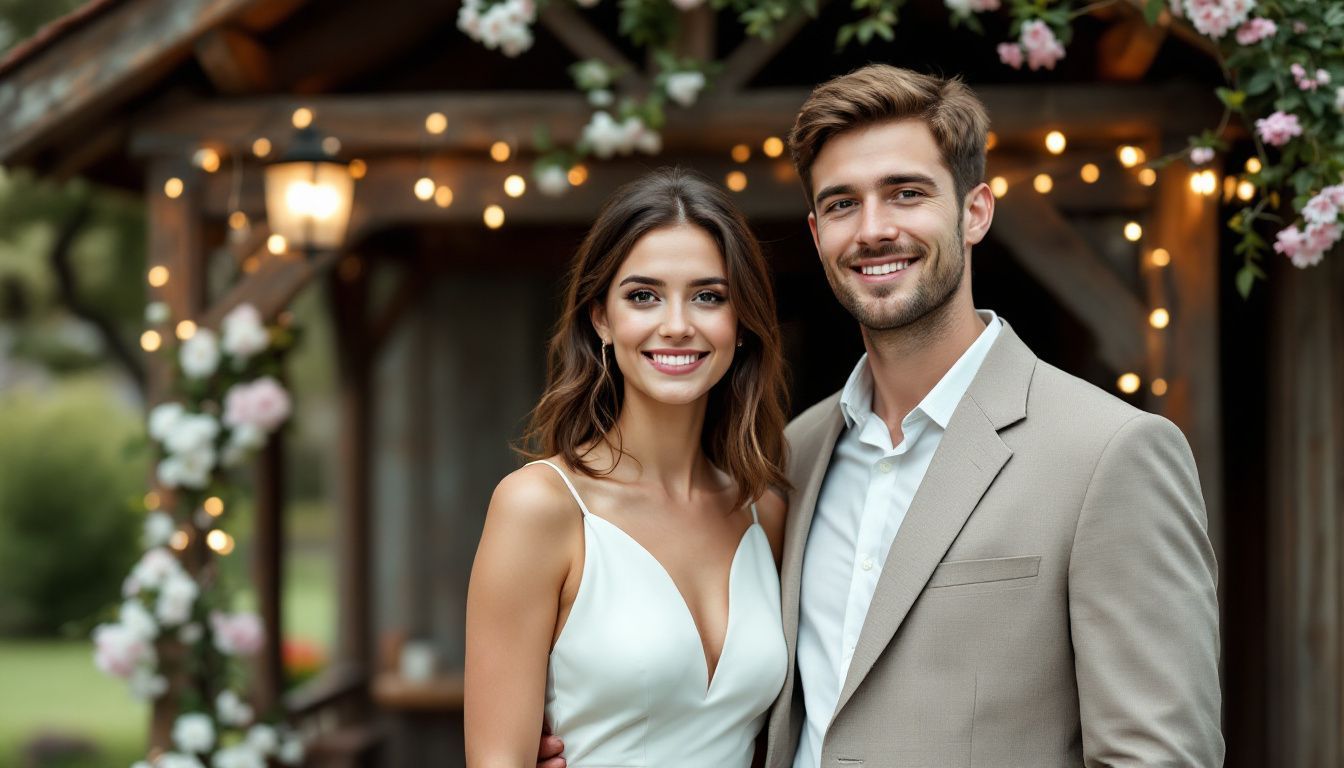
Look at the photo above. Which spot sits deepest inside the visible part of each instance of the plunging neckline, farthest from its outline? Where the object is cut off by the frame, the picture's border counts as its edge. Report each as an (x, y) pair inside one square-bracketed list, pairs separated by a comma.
[(710, 674)]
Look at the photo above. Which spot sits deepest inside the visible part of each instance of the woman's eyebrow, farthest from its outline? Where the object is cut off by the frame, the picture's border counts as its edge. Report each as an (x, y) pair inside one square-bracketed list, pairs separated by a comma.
[(661, 283)]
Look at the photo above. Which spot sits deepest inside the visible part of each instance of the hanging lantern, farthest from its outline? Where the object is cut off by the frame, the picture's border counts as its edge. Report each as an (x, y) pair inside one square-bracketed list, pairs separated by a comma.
[(309, 194)]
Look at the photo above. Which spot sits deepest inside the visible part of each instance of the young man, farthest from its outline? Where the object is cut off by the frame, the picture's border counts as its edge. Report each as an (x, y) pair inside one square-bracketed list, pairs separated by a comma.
[(989, 562)]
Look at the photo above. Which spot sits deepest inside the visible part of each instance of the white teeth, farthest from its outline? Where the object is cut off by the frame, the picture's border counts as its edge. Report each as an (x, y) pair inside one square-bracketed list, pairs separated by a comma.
[(885, 269), (675, 360)]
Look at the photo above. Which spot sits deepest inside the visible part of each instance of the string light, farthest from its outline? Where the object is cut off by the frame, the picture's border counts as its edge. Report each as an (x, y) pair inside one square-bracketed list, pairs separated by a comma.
[(1133, 232), (1245, 191), (1204, 183), (500, 151), (436, 123), (1090, 173), (261, 147), (331, 145), (206, 159), (1043, 183), (150, 341), (1128, 383), (443, 196), (424, 188), (998, 186), (577, 175), (1055, 142), (736, 181), (1130, 156), (493, 216), (741, 153), (219, 541), (276, 244), (1147, 177), (1159, 387), (515, 186), (179, 540), (773, 146), (237, 220), (213, 506), (1159, 318), (186, 329), (1253, 165), (158, 276), (152, 500), (1160, 257), (358, 169), (302, 118), (173, 188)]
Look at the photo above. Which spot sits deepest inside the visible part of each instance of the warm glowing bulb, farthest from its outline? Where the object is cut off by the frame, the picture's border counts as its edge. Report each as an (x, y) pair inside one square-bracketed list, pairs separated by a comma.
[(302, 118), (1161, 257), (206, 159), (1043, 183), (276, 244), (152, 500), (1204, 183), (424, 188), (179, 540), (736, 181), (1055, 142), (219, 541), (158, 276), (1090, 173), (358, 169), (991, 140), (741, 153), (213, 506), (1253, 165), (443, 196), (331, 145), (1130, 156), (500, 151), (186, 329), (577, 175), (1128, 383), (261, 147), (237, 220), (436, 123), (1245, 191), (773, 147), (1147, 177), (1159, 387), (1133, 232), (1159, 318), (515, 186), (494, 216), (173, 187), (999, 186), (150, 341)]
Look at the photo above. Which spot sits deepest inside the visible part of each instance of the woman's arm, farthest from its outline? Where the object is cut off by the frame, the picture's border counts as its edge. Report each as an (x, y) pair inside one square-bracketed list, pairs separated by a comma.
[(532, 537)]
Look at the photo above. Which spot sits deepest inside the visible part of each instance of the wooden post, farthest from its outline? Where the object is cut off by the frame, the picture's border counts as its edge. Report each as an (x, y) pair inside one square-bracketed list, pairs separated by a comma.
[(1306, 493), (268, 544)]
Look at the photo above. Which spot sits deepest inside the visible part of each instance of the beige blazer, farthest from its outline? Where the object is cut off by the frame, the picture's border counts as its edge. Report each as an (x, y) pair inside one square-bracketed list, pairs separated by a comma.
[(1048, 601)]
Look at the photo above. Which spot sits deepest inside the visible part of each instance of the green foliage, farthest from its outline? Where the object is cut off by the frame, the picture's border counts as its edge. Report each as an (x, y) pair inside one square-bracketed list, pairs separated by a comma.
[(68, 482)]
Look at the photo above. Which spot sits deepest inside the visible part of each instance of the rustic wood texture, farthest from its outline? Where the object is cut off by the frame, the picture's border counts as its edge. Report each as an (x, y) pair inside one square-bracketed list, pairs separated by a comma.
[(268, 546), (1127, 49), (1306, 492), (586, 42), (235, 62)]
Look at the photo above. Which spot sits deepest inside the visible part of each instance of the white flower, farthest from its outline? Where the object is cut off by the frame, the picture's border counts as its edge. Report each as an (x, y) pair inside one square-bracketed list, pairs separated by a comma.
[(137, 620), (232, 710), (591, 74), (145, 684), (1339, 99), (190, 432), (194, 732), (199, 355), (552, 180), (244, 335), (263, 738), (239, 756), (175, 760), (190, 469), (1201, 155), (601, 97), (291, 750), (603, 135), (158, 529), (515, 40), (649, 142), (140, 764), (162, 419), (176, 597), (684, 87), (118, 651), (155, 566), (157, 312), (631, 129), (264, 404)]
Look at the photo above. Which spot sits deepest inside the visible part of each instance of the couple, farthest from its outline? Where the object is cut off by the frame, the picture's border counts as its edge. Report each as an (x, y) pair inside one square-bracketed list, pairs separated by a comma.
[(982, 561)]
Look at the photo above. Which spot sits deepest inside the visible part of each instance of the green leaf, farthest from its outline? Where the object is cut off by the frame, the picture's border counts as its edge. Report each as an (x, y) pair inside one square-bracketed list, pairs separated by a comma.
[(1260, 82), (1152, 9), (1233, 100), (1245, 281)]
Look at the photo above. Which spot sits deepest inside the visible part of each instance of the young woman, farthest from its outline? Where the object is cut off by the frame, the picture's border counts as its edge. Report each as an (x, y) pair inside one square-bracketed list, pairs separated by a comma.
[(625, 589)]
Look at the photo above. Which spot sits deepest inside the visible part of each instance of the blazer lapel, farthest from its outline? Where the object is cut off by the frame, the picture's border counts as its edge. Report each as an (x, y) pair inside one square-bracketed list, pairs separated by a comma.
[(968, 459)]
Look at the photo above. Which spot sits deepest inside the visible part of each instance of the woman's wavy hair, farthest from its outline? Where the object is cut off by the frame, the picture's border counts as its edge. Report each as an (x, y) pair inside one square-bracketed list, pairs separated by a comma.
[(744, 422)]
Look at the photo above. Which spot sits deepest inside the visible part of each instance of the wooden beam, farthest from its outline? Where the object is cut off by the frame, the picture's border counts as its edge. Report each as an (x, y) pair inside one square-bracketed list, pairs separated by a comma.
[(268, 544), (270, 289), (751, 56), (586, 42), (235, 62), (389, 123), (1127, 49), (1062, 261), (696, 33)]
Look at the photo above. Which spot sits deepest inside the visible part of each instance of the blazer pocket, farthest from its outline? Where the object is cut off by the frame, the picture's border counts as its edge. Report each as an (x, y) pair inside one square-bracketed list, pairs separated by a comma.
[(958, 572)]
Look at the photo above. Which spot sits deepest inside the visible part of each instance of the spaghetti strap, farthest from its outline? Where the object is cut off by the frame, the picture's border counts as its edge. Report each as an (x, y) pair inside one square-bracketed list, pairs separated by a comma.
[(754, 518), (574, 491)]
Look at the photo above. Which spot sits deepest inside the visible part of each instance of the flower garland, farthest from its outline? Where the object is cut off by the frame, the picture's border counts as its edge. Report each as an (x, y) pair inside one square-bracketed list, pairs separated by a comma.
[(174, 623), (1283, 61)]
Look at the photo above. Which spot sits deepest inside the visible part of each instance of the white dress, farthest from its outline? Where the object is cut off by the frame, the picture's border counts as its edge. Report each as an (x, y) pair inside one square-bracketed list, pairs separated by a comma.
[(628, 685)]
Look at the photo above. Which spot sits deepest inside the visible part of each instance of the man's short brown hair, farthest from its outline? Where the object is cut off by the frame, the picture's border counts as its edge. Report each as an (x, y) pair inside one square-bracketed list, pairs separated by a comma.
[(880, 92)]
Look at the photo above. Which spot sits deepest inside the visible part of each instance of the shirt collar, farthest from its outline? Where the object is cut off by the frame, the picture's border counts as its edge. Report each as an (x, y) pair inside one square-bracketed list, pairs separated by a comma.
[(856, 399)]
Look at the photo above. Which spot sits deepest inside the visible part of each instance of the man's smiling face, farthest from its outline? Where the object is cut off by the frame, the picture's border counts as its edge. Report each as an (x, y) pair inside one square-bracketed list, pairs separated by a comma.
[(887, 223)]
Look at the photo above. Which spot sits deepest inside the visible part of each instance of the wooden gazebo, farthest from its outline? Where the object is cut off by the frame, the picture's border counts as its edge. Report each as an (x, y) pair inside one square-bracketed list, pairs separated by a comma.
[(126, 92)]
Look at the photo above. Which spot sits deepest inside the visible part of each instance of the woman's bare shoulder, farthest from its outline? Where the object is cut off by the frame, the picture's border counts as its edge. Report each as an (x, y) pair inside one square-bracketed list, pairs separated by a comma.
[(534, 496)]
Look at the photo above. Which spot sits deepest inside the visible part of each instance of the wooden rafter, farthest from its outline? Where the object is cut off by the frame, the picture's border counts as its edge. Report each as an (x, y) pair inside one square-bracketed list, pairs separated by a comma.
[(235, 62), (586, 42), (751, 56)]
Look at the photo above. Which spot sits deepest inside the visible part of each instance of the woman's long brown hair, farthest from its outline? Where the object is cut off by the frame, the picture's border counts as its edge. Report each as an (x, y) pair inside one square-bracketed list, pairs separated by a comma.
[(744, 421)]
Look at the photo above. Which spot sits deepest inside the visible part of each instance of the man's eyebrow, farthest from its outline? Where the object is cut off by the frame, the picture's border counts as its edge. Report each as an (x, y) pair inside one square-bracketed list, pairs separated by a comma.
[(660, 283), (833, 191)]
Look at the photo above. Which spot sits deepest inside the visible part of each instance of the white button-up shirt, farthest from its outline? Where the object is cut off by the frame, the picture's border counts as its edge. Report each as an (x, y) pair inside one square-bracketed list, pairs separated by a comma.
[(867, 490)]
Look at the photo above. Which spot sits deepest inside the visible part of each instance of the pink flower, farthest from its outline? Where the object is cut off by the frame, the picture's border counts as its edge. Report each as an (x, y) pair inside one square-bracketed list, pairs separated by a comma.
[(1300, 27), (1256, 30), (263, 404), (239, 634), (119, 650), (1011, 54), (1043, 48), (1278, 128), (1321, 209), (1201, 155), (1215, 17), (1335, 194), (1322, 237)]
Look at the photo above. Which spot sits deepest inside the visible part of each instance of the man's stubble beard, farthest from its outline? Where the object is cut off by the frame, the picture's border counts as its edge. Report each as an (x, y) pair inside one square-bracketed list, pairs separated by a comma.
[(929, 297)]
